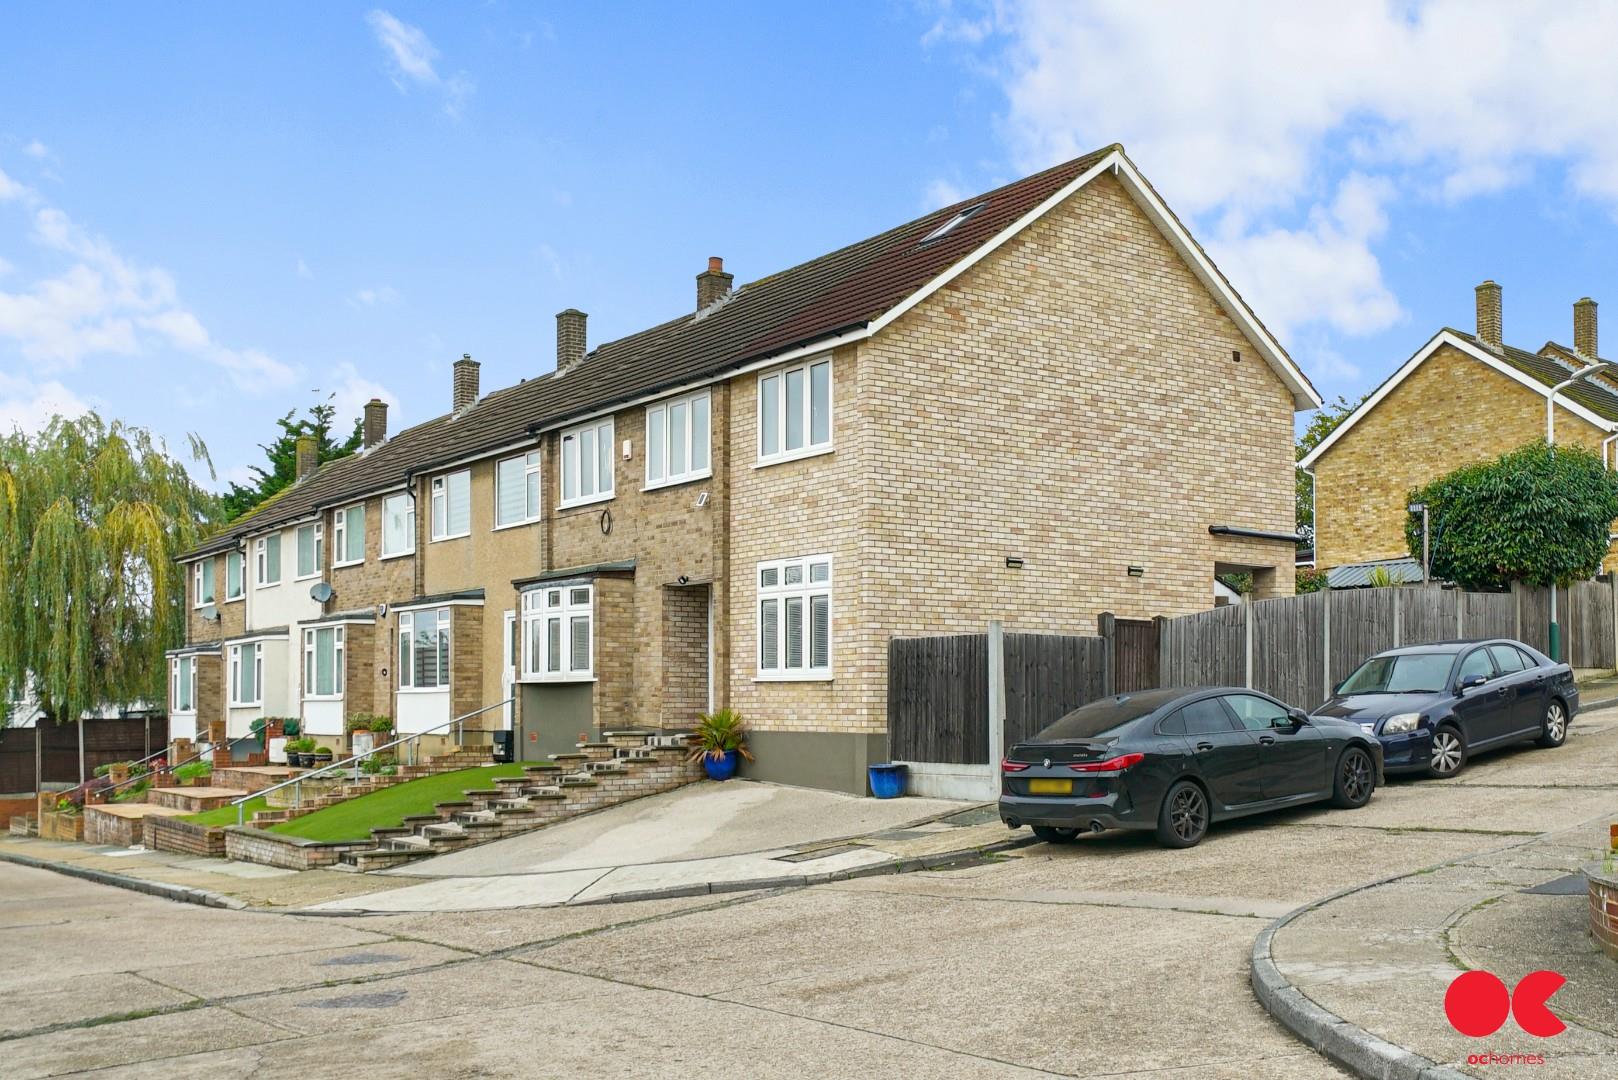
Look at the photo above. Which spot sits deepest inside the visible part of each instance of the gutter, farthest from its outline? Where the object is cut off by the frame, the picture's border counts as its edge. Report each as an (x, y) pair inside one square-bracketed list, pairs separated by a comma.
[(1252, 534)]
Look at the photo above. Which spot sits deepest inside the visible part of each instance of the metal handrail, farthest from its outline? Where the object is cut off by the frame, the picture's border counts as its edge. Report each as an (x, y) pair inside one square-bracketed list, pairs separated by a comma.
[(241, 803), (228, 744)]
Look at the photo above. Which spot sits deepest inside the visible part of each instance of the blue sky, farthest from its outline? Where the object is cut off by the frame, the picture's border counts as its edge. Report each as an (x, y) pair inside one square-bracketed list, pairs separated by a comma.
[(210, 213)]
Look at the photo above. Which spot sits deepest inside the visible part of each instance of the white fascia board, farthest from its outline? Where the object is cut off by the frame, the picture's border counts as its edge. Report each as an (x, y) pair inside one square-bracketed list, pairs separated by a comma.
[(1483, 356)]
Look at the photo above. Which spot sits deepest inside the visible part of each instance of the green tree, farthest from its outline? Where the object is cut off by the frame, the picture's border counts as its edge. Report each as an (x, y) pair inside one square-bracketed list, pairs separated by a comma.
[(283, 457), (92, 516), (1539, 515), (1322, 424)]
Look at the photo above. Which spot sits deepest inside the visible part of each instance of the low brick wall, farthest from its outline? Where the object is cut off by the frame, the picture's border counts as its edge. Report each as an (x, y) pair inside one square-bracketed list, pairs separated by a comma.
[(1604, 909), (20, 805), (184, 837), (104, 828), (54, 826), (247, 844)]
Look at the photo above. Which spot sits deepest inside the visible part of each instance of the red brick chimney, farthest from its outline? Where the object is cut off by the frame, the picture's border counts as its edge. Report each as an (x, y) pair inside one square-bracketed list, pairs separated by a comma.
[(713, 283)]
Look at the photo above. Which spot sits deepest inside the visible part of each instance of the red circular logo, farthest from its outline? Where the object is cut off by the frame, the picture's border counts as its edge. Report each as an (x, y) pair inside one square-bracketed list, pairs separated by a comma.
[(1477, 1004)]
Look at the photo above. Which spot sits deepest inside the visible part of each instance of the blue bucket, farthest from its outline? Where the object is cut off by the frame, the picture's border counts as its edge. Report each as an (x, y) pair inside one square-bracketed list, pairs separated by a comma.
[(887, 779)]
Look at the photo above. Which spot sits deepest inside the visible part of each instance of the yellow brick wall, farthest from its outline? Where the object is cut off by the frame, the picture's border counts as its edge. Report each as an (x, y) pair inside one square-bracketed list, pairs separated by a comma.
[(1451, 411)]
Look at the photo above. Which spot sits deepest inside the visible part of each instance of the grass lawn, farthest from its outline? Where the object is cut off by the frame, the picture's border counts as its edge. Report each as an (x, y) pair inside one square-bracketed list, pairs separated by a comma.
[(354, 819)]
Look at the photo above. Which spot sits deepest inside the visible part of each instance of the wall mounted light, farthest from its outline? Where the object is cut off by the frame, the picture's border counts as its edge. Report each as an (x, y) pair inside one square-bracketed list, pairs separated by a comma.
[(1013, 562), (1137, 571)]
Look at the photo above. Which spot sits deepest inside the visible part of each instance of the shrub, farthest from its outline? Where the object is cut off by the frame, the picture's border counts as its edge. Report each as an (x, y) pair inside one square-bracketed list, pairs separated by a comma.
[(1310, 580), (375, 763), (379, 725)]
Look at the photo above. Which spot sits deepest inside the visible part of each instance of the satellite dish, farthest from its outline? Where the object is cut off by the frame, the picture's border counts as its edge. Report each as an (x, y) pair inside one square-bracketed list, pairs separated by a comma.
[(382, 611), (321, 592)]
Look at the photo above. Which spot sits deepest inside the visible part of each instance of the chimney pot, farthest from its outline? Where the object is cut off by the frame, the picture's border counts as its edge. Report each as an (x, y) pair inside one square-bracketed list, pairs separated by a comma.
[(466, 383), (1584, 327), (376, 421), (308, 456), (1489, 325), (713, 283), (570, 339)]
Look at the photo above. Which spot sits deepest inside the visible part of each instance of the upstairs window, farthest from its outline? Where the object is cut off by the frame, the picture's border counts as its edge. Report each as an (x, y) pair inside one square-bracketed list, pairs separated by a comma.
[(952, 223), (234, 576), (311, 541), (267, 560), (452, 505), (586, 463), (557, 631), (398, 525), (677, 443), (794, 618), (348, 535), (424, 649), (323, 662), (794, 412), (202, 583), (516, 490)]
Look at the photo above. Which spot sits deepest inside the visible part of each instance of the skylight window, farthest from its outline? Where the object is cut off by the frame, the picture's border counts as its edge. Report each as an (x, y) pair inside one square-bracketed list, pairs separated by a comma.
[(950, 225)]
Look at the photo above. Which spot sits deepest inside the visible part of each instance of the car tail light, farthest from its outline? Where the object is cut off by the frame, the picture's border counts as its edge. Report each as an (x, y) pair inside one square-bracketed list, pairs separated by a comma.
[(1117, 764), (1013, 766)]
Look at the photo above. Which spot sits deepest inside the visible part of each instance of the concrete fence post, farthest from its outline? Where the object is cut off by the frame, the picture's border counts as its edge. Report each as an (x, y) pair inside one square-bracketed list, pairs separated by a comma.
[(1325, 642), (1460, 613), (1107, 629), (1612, 589), (997, 693), (1398, 618), (1247, 625)]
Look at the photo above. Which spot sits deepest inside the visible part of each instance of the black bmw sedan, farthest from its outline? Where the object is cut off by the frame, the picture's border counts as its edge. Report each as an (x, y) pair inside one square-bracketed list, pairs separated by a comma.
[(1174, 761), (1433, 706)]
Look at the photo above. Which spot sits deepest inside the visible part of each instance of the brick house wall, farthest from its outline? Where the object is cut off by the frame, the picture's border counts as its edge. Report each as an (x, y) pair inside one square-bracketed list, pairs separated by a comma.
[(361, 587), (1450, 411), (685, 656)]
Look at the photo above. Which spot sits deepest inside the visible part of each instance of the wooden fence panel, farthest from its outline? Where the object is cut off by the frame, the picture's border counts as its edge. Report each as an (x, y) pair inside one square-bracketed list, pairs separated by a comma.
[(1535, 608), (1208, 648), (106, 740), (1590, 642), (1048, 676), (1426, 614), (1289, 648), (938, 699), (1361, 626), (1488, 615), (1136, 663)]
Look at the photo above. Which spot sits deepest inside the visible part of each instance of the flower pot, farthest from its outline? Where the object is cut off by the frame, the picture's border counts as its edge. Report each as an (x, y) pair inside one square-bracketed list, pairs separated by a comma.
[(720, 768)]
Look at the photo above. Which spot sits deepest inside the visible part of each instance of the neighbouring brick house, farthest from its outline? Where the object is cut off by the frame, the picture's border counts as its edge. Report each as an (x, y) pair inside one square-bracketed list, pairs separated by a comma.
[(1036, 405), (1462, 398)]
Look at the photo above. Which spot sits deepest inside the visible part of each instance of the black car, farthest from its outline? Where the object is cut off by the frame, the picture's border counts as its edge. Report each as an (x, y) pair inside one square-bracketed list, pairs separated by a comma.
[(1433, 706), (1177, 760)]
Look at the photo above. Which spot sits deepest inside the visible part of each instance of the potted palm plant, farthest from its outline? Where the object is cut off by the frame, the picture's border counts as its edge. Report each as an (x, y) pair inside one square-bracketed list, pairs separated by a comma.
[(719, 740)]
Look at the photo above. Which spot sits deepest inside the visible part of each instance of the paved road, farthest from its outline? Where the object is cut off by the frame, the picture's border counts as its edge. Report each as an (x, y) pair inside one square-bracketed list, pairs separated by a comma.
[(1107, 958)]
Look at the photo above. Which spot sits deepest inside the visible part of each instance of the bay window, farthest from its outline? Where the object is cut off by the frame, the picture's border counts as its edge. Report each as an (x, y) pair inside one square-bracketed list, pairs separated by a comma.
[(348, 535), (677, 440), (267, 560), (794, 618), (323, 662), (311, 541), (794, 411), (586, 462), (452, 505), (557, 632), (516, 490), (424, 649), (183, 684), (246, 674), (398, 525)]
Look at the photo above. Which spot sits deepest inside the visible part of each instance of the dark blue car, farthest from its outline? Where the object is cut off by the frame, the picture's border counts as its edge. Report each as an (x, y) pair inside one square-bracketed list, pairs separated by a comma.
[(1433, 706)]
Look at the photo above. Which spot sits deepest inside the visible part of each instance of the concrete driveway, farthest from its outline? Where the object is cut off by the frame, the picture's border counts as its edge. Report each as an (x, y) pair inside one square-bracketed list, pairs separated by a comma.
[(1109, 957)]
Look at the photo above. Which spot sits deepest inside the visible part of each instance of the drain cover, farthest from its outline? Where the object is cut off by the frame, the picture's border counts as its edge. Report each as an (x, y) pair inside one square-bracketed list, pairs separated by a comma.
[(1571, 885)]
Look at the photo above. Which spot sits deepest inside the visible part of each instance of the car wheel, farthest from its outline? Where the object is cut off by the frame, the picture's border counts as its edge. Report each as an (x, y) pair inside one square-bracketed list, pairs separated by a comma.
[(1052, 835), (1555, 727), (1449, 752), (1183, 819), (1356, 779)]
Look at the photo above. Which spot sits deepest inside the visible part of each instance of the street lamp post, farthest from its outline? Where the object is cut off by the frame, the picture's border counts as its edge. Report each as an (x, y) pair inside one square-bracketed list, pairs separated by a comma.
[(1550, 440)]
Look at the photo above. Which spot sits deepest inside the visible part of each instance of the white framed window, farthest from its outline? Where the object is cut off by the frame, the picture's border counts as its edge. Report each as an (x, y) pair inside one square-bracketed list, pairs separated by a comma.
[(586, 463), (516, 490), (323, 662), (677, 442), (558, 625), (246, 674), (202, 583), (452, 505), (235, 576), (348, 535), (183, 684), (311, 541), (424, 649), (794, 412), (267, 560), (398, 525), (794, 618)]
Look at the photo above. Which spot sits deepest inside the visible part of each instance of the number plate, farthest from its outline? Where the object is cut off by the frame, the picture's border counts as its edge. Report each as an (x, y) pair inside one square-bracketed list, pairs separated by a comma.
[(1050, 787)]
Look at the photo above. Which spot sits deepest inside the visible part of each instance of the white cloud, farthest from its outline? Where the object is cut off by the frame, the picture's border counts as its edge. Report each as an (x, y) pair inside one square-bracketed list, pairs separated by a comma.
[(38, 150), (11, 189), (940, 193), (414, 56), (351, 390), (29, 405), (381, 294), (302, 269)]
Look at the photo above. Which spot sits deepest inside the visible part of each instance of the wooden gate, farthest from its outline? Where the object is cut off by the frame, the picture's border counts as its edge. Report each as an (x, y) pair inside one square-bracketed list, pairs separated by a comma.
[(1135, 655)]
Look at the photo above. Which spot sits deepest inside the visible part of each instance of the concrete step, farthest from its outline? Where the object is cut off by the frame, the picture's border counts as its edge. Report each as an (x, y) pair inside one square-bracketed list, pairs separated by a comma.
[(406, 843)]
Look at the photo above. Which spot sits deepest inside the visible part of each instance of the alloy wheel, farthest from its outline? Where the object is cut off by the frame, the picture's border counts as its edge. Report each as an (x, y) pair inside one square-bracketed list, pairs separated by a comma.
[(1446, 752), (1555, 722), (1356, 776), (1188, 813)]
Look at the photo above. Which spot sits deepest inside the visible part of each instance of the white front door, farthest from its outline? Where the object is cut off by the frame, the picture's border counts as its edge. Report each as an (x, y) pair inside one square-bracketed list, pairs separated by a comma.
[(508, 670)]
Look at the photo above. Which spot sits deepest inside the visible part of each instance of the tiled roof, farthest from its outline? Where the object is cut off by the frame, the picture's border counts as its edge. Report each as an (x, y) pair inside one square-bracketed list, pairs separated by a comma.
[(1550, 370), (812, 301)]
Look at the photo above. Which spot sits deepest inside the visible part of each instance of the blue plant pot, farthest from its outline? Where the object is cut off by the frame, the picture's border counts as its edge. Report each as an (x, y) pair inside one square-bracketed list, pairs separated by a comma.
[(721, 768)]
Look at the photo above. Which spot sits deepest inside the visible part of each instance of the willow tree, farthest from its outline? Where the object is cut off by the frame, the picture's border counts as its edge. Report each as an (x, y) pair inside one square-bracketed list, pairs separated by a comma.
[(92, 515)]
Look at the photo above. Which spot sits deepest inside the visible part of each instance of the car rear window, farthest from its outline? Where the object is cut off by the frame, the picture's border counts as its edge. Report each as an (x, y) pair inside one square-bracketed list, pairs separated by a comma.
[(1405, 673), (1105, 718), (1508, 659)]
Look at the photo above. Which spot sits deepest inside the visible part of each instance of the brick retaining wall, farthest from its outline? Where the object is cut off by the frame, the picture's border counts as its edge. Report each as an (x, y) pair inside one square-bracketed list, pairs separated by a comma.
[(1604, 910), (100, 828), (290, 852), (185, 837)]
